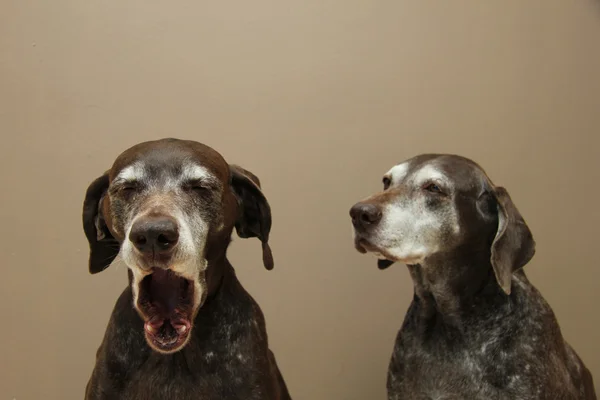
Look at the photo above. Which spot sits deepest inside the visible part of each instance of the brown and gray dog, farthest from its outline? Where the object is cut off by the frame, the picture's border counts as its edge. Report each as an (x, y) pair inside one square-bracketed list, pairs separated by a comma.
[(184, 328), (476, 328)]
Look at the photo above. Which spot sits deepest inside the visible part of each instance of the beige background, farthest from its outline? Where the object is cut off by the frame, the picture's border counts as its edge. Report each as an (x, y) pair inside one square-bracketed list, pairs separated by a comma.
[(319, 98)]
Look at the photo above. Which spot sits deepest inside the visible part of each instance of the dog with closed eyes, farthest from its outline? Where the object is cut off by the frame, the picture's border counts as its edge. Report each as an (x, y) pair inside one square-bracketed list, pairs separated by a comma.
[(184, 328), (476, 328)]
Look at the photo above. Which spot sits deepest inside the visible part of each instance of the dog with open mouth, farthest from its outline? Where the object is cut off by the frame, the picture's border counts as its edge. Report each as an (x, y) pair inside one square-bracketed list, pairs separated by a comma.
[(184, 328), (476, 328)]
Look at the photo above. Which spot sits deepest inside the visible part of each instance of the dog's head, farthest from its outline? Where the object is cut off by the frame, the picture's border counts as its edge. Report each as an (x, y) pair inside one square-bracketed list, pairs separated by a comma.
[(168, 207), (435, 205)]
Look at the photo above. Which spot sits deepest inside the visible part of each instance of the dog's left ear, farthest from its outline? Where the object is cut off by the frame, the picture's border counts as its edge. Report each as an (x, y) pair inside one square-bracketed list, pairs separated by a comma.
[(254, 212), (103, 246), (513, 247)]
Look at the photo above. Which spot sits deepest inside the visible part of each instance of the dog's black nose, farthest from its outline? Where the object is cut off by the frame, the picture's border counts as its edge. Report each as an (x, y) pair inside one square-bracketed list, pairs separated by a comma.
[(365, 214), (154, 235)]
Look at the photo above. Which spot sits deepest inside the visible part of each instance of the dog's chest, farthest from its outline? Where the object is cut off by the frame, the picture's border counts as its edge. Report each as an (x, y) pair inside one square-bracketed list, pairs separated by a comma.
[(493, 369), (214, 377), (419, 376), (226, 359)]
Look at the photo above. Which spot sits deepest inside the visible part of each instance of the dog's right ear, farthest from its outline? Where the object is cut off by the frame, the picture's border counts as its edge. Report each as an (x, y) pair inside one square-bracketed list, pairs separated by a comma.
[(254, 219), (103, 246), (513, 246)]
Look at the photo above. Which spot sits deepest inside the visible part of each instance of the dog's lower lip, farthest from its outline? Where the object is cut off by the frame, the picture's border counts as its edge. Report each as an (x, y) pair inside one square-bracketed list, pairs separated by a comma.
[(364, 246), (167, 335), (359, 244)]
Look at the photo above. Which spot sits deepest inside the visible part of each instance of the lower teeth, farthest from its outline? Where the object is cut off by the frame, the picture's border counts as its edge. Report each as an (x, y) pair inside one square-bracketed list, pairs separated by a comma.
[(182, 329)]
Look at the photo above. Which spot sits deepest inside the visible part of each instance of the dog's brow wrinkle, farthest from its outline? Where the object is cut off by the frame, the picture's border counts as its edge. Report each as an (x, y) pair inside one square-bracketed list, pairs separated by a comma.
[(398, 172), (131, 173), (430, 172), (195, 172)]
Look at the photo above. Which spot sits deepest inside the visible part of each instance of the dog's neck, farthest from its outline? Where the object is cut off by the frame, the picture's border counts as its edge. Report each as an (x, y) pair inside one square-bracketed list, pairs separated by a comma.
[(456, 288), (217, 274), (219, 268)]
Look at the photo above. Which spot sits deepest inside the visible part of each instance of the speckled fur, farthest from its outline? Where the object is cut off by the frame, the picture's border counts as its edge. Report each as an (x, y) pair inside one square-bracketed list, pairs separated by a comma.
[(492, 346), (227, 356), (476, 328)]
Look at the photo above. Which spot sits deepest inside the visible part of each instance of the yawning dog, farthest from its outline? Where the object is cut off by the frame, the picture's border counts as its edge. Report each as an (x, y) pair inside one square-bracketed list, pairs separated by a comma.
[(184, 328)]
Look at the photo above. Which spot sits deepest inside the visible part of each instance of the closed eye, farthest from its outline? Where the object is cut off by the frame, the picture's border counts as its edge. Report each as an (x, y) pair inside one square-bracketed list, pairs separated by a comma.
[(128, 187), (197, 186)]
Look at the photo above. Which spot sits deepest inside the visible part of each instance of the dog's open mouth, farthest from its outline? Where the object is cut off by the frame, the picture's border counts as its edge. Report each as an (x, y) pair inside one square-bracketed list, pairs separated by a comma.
[(166, 302)]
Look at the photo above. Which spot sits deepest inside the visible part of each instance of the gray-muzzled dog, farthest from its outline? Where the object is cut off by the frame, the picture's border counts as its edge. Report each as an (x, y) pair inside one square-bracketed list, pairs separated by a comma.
[(476, 328)]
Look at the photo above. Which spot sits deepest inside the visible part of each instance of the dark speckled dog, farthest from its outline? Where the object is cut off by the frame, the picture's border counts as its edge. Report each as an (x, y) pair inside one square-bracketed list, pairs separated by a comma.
[(477, 328), (184, 328)]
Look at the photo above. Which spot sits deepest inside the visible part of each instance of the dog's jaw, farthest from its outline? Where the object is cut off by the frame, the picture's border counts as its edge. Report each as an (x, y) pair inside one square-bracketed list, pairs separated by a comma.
[(409, 254), (168, 304), (388, 256), (187, 263)]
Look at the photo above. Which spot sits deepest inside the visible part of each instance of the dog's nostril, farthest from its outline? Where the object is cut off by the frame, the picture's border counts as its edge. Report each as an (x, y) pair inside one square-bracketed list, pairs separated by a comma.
[(163, 240), (140, 240), (372, 216)]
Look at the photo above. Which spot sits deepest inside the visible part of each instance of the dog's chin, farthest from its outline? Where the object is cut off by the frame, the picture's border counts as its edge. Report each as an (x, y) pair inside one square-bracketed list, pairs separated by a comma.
[(385, 257), (166, 303), (364, 246)]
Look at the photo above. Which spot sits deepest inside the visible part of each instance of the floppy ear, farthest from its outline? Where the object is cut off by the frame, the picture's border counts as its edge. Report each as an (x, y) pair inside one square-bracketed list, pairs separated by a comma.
[(254, 212), (513, 246), (103, 246)]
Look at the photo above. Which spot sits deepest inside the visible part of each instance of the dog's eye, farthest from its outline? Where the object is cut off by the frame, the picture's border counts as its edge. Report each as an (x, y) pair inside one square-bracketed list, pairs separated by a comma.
[(128, 188), (198, 187), (433, 188), (386, 182)]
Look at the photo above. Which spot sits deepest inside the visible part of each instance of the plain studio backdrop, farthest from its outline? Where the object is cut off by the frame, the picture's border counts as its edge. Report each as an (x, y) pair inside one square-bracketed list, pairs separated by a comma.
[(318, 98)]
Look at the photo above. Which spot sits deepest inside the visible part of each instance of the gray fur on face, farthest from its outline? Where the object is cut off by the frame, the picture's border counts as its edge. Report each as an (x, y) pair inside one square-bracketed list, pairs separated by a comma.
[(165, 190), (159, 344), (477, 328)]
